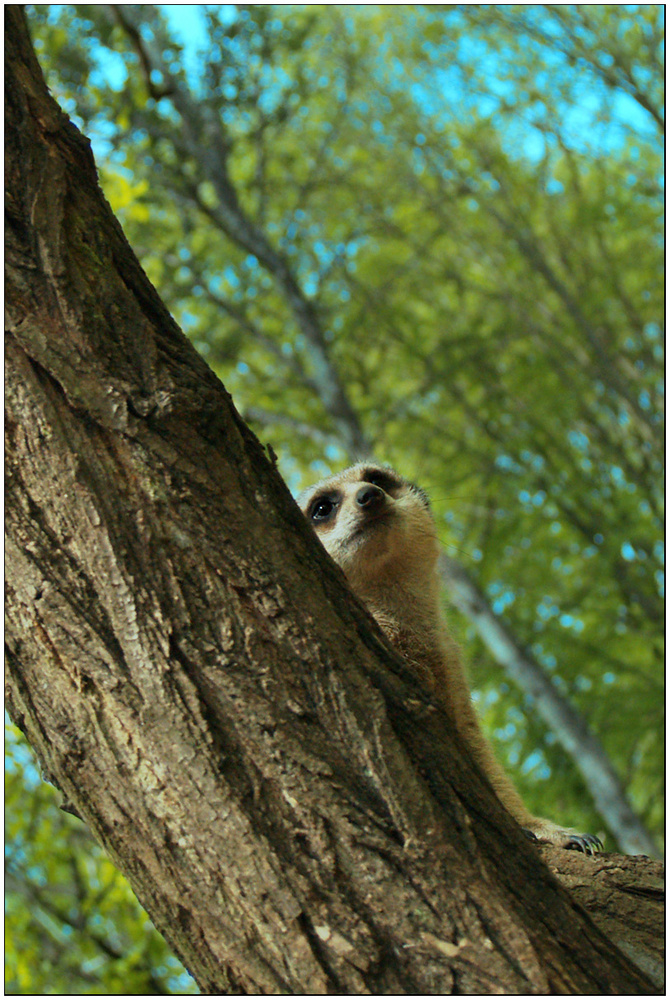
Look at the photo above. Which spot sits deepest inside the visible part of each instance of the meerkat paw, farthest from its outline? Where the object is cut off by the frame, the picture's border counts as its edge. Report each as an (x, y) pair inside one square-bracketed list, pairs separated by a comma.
[(550, 833)]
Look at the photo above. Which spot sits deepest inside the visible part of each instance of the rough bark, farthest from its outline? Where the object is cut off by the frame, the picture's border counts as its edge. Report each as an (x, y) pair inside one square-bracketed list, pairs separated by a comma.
[(288, 806), (625, 898)]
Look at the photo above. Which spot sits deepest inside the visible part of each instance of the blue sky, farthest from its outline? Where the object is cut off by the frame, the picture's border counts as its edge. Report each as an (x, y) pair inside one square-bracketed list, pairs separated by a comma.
[(580, 119), (188, 24)]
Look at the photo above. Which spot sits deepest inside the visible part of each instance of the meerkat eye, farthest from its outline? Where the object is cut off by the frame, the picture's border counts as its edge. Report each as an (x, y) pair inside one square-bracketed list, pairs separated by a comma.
[(322, 509)]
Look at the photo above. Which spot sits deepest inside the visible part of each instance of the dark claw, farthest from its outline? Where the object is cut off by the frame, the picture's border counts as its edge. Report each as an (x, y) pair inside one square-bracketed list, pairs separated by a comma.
[(529, 833), (585, 842)]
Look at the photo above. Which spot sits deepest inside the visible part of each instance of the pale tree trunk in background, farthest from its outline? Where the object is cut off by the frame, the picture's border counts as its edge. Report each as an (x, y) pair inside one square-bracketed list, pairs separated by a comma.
[(191, 671), (570, 728)]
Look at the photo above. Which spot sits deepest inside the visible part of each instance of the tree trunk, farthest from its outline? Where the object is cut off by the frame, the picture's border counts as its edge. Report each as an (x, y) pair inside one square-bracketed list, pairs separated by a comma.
[(289, 807), (625, 897)]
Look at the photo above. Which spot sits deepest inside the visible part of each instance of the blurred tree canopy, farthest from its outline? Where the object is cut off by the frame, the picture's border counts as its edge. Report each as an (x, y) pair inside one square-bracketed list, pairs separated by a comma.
[(429, 232)]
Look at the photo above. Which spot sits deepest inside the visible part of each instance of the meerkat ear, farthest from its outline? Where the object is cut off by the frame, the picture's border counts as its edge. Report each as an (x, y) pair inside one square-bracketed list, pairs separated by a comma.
[(422, 494)]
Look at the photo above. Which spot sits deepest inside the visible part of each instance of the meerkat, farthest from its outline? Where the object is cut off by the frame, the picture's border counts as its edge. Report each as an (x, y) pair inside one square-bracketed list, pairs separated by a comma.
[(379, 529)]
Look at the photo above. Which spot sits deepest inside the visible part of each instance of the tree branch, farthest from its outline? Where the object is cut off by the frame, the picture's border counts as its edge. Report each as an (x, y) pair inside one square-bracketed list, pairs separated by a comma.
[(209, 147)]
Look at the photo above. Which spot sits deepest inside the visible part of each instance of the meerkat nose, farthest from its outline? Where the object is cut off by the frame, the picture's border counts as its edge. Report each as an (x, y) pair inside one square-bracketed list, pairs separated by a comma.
[(370, 496)]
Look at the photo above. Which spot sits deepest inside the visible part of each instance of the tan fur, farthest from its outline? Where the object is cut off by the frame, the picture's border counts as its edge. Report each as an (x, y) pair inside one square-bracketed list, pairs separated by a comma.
[(380, 531)]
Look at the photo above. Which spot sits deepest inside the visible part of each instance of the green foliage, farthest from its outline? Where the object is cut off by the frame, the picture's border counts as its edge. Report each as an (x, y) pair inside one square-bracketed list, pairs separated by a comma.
[(469, 198), (72, 924)]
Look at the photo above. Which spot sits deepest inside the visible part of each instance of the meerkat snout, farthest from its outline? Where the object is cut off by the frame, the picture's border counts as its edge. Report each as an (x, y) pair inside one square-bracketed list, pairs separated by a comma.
[(370, 497)]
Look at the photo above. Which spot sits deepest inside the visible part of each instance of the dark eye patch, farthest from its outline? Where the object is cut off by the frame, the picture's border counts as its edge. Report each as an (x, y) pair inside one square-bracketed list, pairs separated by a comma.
[(387, 481)]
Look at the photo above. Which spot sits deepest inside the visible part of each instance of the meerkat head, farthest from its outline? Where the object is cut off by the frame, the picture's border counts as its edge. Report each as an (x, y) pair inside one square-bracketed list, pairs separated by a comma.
[(376, 525)]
